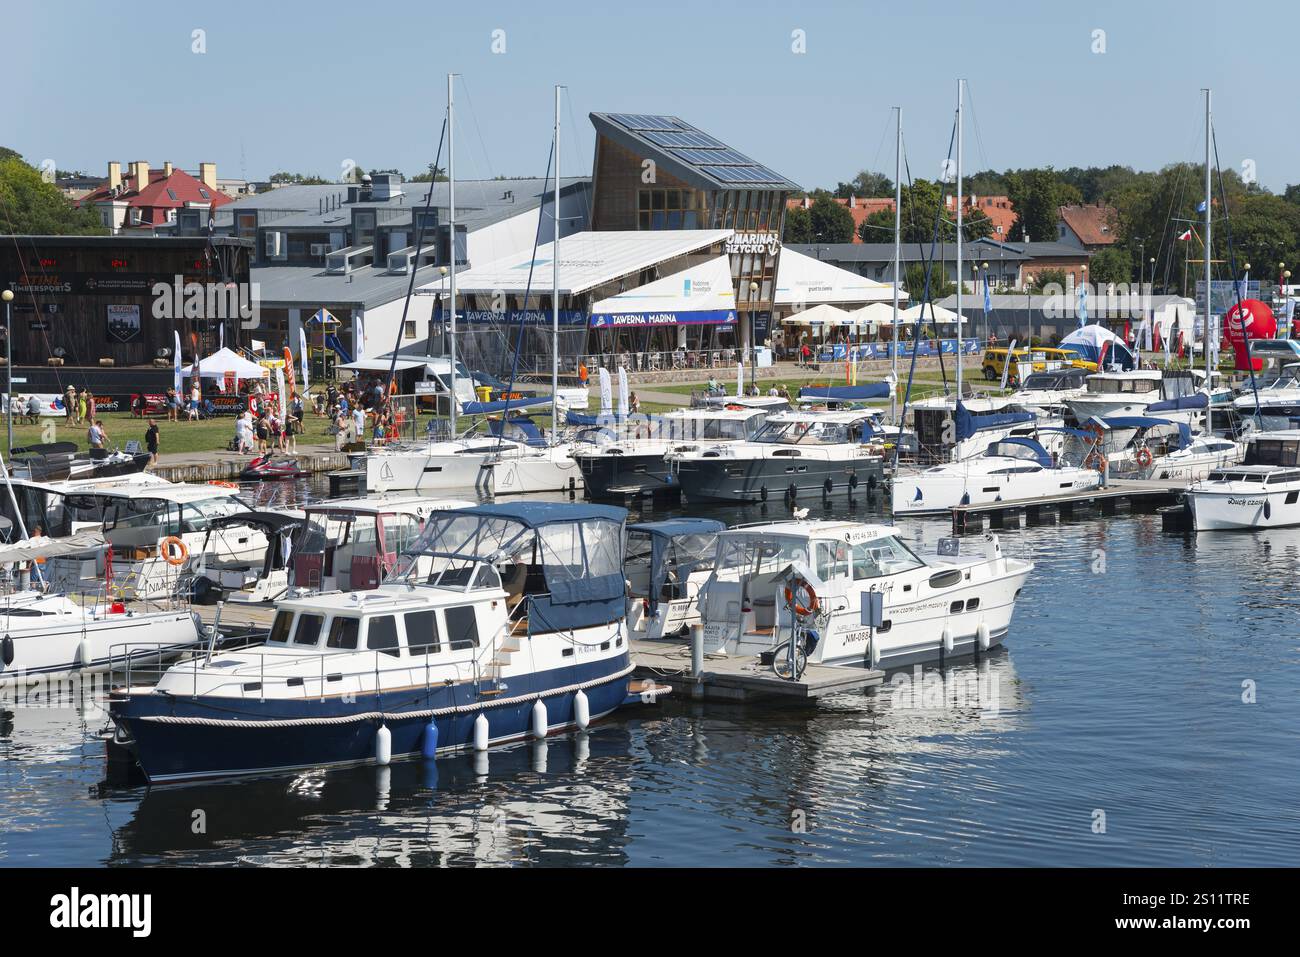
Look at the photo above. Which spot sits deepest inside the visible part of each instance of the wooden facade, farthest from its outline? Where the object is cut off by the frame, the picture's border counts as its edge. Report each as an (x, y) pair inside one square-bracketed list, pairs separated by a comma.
[(89, 298)]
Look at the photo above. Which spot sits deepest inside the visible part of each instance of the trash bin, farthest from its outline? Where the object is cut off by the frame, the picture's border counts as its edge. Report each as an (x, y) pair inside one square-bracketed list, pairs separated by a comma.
[(484, 393)]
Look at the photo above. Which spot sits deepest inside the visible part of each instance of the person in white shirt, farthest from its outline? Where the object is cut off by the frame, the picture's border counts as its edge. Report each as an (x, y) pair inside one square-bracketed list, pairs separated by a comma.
[(358, 424)]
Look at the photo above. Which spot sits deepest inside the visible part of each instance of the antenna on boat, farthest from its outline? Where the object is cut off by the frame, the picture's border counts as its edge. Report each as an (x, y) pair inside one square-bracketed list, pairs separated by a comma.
[(1209, 270), (555, 280), (961, 279), (898, 227), (451, 219)]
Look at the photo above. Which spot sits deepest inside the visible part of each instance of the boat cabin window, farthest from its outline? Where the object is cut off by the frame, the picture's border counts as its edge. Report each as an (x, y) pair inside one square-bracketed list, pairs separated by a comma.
[(381, 635), (308, 630), (421, 633), (281, 627), (343, 633), (832, 560), (1274, 452), (486, 577), (747, 554), (882, 556), (462, 626), (803, 433), (1121, 386), (1280, 478), (197, 516)]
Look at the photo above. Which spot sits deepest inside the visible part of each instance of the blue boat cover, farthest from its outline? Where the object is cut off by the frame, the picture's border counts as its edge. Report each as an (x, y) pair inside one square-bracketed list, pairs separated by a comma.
[(531, 433), (1041, 455), (1197, 400), (1145, 422), (846, 393), (678, 546), (968, 423), (489, 408)]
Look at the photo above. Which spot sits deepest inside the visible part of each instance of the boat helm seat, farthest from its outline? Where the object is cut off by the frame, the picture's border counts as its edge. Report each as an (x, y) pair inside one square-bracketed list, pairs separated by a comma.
[(513, 580)]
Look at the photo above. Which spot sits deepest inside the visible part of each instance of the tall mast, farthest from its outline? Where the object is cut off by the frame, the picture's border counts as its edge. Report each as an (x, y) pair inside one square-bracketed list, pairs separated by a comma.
[(451, 217), (960, 277), (1209, 269), (898, 226), (555, 279)]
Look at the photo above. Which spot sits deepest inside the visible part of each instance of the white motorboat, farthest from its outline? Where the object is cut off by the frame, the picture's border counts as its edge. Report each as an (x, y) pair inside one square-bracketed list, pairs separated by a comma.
[(1046, 393), (1275, 400), (1147, 447), (932, 607), (1262, 492), (950, 429), (666, 565), (1010, 469), (1171, 394)]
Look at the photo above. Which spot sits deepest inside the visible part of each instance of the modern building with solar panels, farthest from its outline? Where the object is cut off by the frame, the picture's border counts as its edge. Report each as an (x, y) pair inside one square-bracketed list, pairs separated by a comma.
[(661, 173)]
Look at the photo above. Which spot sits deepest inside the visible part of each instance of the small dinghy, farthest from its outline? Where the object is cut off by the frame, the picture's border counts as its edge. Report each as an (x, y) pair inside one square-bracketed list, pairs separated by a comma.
[(265, 469)]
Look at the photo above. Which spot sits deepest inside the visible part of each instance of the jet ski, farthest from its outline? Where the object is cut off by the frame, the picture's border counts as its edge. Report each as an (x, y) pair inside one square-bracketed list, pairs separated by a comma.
[(264, 469)]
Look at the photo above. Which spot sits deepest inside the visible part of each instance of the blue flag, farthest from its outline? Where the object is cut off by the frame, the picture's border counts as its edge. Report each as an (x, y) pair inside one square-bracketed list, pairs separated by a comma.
[(1083, 306), (1200, 207), (988, 304)]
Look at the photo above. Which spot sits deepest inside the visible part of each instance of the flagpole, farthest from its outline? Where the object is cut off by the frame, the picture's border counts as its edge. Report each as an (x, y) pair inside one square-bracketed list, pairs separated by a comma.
[(961, 280), (451, 217), (898, 225)]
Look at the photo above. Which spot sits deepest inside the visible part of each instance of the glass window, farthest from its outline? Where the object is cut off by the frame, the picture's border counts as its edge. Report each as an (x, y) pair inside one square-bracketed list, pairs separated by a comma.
[(280, 627), (421, 633), (462, 626), (308, 631), (882, 556), (343, 634), (832, 560), (381, 635)]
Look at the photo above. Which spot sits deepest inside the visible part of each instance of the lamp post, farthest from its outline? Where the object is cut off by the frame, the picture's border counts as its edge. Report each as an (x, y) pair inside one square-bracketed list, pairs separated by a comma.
[(8, 297), (985, 267), (753, 373)]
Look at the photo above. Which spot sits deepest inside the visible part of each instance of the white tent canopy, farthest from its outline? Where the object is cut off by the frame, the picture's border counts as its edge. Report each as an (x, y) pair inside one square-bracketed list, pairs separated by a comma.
[(876, 314), (224, 361), (823, 315), (932, 313), (702, 293), (804, 281)]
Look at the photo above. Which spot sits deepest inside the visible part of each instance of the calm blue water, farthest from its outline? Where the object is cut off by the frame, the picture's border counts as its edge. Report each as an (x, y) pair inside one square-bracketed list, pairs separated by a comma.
[(1119, 693)]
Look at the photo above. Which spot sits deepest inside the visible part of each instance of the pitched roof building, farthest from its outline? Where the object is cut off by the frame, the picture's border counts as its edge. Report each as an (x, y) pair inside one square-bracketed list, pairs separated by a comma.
[(1091, 226), (148, 199)]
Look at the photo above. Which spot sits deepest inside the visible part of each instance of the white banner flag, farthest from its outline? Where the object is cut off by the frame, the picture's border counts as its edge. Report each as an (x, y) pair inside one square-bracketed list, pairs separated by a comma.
[(606, 394), (279, 387), (622, 393), (740, 379), (176, 365), (361, 339), (1006, 366), (302, 352)]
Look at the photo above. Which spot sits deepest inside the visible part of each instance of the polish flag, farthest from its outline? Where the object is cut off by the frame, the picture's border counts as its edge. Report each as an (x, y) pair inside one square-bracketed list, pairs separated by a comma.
[(1185, 236)]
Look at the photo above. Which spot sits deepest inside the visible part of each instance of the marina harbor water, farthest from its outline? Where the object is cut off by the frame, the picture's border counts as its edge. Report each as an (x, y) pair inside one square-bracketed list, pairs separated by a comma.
[(1147, 677)]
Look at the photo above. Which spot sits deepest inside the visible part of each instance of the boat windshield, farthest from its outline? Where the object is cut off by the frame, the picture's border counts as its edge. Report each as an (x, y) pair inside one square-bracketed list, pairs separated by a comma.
[(1288, 377), (1101, 385), (805, 432)]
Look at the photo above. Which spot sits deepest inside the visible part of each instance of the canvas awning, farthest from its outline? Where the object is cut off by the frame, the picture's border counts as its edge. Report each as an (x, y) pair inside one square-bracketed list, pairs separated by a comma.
[(802, 280), (823, 315), (381, 365), (226, 361), (701, 295)]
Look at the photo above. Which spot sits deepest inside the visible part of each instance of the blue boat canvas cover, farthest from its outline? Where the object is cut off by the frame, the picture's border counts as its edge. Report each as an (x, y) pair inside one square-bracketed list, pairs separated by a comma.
[(678, 547), (579, 548), (969, 424)]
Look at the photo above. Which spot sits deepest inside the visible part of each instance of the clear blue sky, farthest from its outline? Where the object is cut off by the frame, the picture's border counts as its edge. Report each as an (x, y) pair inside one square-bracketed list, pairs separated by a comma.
[(305, 86)]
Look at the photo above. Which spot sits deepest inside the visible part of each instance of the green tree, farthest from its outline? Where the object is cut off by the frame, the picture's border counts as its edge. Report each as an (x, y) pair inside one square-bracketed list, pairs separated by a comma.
[(830, 222), (1037, 196), (431, 174), (299, 179), (940, 285), (1047, 277), (866, 184), (798, 226), (32, 206), (1112, 264)]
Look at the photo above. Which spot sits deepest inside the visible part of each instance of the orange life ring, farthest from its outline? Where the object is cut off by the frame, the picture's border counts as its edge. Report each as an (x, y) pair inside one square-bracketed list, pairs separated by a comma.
[(1095, 460), (1144, 457), (800, 596), (221, 484), (171, 557)]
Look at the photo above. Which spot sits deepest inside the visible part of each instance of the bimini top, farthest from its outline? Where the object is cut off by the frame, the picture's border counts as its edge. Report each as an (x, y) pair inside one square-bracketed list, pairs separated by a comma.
[(578, 548), (672, 527), (850, 532), (1012, 448), (846, 393), (1144, 422)]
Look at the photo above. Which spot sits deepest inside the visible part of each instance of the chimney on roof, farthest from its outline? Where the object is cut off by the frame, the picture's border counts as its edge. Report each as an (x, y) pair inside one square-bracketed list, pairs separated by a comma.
[(140, 173), (167, 169), (114, 174), (853, 201), (208, 174)]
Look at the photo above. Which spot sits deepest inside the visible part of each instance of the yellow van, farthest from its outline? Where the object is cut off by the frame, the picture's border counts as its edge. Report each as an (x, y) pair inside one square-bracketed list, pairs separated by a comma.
[(996, 359), (1066, 358)]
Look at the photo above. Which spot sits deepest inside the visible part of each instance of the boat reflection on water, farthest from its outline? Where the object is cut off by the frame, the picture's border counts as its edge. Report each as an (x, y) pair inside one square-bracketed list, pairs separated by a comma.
[(562, 800)]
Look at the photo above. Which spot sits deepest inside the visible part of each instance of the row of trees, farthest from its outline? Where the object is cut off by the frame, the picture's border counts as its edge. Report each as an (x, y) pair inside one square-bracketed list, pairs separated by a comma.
[(31, 206), (1152, 208)]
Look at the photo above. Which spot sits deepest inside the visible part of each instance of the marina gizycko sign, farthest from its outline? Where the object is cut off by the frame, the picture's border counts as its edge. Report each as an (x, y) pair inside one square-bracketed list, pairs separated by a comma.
[(741, 244)]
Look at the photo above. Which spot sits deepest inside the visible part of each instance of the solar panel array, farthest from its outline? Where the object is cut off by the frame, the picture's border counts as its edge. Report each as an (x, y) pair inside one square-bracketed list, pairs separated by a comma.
[(698, 149)]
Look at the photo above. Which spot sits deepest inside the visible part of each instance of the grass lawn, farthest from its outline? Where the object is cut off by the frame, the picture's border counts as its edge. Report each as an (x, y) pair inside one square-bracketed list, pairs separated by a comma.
[(174, 437)]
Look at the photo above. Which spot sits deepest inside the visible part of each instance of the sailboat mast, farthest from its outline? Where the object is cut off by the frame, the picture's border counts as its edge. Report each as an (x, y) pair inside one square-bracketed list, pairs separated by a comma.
[(1209, 269), (555, 279), (898, 227), (451, 218), (960, 278)]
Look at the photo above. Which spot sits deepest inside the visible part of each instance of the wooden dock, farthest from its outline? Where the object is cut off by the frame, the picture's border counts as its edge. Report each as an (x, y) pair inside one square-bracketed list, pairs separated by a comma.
[(227, 466), (1129, 494), (742, 677)]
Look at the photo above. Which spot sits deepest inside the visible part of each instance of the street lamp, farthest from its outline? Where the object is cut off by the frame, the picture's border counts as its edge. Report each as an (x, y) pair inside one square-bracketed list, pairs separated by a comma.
[(753, 373), (8, 297)]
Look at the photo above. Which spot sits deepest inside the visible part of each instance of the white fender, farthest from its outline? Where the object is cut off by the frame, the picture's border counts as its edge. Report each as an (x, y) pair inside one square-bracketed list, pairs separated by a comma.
[(985, 638), (383, 745), (539, 719), (83, 653), (947, 639), (481, 733), (581, 710), (875, 651)]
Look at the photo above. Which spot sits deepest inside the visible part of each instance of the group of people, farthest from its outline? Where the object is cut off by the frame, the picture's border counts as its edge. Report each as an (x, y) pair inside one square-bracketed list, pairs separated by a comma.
[(268, 431), (78, 405), (27, 409), (354, 409)]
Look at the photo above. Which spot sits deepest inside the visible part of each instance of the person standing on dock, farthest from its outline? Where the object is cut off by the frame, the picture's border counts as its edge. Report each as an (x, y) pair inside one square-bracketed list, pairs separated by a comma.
[(151, 441)]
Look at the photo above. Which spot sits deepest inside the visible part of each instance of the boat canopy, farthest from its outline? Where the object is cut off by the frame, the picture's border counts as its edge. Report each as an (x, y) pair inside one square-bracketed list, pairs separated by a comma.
[(500, 405), (969, 424), (1017, 447), (846, 393), (266, 521), (578, 547), (1197, 400), (525, 428), (678, 547), (1145, 422)]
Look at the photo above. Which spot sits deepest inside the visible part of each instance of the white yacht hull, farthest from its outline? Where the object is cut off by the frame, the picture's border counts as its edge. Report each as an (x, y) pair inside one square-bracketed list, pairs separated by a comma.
[(549, 470), (932, 493), (1235, 509)]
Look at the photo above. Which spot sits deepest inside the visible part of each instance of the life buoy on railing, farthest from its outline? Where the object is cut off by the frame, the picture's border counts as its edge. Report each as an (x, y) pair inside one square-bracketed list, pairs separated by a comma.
[(1144, 457), (1095, 460), (800, 597), (174, 550), (221, 484)]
